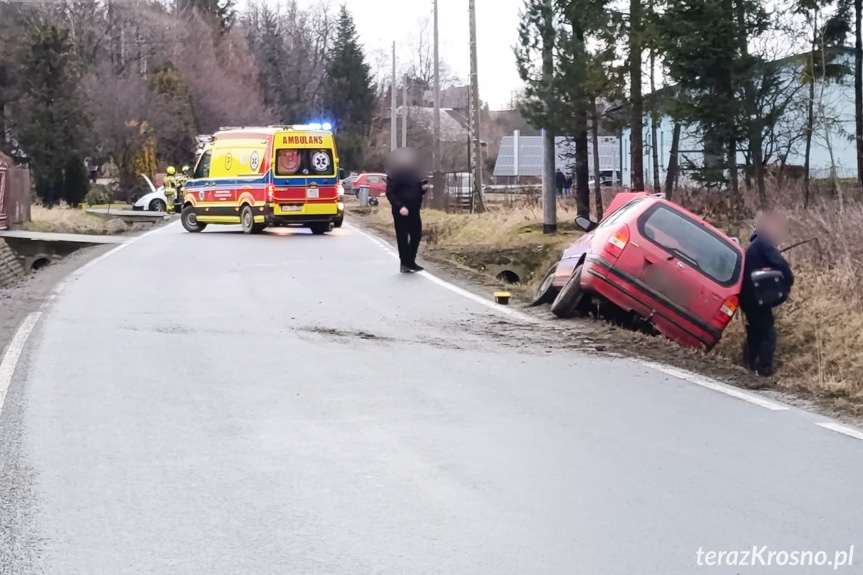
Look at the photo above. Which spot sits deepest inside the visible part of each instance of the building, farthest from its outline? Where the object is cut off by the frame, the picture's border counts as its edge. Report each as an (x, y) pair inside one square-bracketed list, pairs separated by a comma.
[(521, 157), (837, 97)]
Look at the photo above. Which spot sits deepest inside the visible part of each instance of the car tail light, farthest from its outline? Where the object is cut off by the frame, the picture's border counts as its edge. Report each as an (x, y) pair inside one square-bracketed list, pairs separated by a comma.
[(271, 190), (727, 311), (617, 241)]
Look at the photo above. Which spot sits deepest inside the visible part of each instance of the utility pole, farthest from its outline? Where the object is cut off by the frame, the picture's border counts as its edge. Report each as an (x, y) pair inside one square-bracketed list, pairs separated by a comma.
[(475, 113), (405, 116), (549, 191), (437, 177), (393, 117)]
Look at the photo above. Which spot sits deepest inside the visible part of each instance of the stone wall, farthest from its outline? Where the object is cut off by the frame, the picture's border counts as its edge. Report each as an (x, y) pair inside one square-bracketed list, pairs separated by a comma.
[(10, 268)]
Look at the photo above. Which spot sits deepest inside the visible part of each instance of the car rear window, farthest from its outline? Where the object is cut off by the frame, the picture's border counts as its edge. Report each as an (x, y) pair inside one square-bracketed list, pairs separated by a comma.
[(692, 243)]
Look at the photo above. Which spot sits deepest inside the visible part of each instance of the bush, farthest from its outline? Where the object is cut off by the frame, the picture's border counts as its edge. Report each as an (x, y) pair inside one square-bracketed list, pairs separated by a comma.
[(98, 195)]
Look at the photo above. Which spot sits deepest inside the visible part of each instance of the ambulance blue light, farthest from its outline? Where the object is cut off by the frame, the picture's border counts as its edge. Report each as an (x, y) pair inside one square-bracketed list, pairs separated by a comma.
[(314, 126), (326, 126)]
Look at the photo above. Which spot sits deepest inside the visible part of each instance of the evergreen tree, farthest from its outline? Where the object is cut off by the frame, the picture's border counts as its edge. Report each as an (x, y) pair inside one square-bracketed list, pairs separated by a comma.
[(564, 103), (704, 44), (49, 122), (349, 94), (177, 138)]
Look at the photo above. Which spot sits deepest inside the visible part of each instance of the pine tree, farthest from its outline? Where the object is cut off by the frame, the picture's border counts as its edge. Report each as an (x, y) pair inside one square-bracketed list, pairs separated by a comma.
[(349, 93), (49, 122), (564, 104)]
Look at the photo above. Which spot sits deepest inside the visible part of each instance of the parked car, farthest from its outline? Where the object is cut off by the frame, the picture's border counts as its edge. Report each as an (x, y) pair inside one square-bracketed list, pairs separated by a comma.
[(348, 184), (654, 263), (377, 184), (155, 201)]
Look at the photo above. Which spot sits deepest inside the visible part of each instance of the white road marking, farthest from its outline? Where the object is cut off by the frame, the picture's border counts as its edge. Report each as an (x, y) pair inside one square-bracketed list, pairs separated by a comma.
[(716, 386), (451, 287), (13, 352), (844, 429)]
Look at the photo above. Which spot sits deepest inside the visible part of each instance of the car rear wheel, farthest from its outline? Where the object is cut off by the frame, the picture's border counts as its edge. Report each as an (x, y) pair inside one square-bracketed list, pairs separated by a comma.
[(190, 220), (570, 299), (158, 205), (546, 291)]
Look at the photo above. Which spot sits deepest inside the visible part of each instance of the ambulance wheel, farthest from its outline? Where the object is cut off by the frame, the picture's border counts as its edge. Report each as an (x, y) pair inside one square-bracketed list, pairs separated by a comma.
[(247, 220), (569, 301), (338, 223), (190, 220), (158, 205), (321, 229)]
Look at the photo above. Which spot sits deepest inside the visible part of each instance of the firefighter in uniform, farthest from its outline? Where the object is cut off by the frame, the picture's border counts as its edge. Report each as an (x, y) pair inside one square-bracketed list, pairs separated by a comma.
[(171, 185)]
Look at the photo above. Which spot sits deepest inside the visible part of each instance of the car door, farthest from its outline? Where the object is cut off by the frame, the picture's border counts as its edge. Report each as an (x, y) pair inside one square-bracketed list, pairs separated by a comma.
[(374, 183)]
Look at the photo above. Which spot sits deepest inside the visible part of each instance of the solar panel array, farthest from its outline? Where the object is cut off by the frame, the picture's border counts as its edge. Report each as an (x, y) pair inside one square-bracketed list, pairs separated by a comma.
[(529, 161)]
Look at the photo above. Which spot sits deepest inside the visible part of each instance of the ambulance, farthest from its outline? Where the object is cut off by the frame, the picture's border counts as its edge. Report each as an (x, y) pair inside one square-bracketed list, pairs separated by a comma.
[(259, 177)]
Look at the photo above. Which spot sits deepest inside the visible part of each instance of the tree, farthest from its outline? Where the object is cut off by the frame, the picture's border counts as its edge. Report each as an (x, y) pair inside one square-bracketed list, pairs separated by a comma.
[(562, 102), (702, 41), (219, 11), (177, 137), (48, 119), (819, 65), (349, 95)]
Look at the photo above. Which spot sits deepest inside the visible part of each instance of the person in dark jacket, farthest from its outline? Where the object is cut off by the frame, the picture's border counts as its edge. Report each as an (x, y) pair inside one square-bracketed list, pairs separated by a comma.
[(567, 186), (405, 190), (763, 253), (559, 181)]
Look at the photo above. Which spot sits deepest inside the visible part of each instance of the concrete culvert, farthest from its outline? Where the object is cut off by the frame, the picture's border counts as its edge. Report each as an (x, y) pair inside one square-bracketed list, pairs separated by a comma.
[(508, 276), (39, 263)]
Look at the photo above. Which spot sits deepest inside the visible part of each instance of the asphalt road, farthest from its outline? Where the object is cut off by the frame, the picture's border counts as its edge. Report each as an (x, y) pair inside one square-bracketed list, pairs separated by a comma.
[(290, 404)]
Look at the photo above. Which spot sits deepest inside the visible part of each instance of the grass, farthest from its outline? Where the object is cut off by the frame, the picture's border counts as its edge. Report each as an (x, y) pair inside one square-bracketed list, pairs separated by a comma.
[(820, 331), (63, 219), (503, 237)]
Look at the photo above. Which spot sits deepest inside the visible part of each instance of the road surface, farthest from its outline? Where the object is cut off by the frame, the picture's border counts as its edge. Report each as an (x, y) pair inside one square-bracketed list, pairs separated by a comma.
[(290, 404)]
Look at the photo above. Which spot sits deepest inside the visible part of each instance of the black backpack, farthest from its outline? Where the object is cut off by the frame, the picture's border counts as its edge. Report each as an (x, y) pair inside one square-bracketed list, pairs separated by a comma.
[(769, 287)]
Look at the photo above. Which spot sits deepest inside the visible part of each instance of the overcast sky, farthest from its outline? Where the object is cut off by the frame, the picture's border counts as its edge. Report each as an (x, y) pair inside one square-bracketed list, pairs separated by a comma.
[(380, 22)]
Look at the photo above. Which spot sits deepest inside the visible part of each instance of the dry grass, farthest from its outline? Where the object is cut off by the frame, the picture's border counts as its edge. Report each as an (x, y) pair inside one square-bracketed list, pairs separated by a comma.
[(510, 231), (820, 332), (63, 219)]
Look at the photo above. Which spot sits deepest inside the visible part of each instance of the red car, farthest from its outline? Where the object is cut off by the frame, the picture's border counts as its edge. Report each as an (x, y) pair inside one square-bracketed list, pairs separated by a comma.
[(377, 184), (657, 264)]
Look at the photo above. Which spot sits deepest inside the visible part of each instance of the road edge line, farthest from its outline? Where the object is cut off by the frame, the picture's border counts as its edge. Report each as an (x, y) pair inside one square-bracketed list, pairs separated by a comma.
[(712, 384), (9, 362), (447, 285), (843, 429)]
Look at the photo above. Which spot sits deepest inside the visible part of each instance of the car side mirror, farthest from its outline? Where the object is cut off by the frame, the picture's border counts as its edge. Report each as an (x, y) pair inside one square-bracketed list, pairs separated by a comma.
[(585, 223), (342, 174)]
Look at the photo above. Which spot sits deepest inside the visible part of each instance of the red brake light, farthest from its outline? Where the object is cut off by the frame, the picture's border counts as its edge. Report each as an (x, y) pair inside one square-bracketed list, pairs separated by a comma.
[(271, 190), (617, 241), (727, 311)]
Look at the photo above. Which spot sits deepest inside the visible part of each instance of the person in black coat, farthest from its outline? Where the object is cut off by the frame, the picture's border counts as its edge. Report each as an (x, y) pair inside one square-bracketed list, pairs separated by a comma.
[(405, 190), (763, 253), (559, 181)]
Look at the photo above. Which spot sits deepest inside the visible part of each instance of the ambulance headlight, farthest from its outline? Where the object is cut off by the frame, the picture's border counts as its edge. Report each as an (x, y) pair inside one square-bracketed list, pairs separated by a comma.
[(341, 206)]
